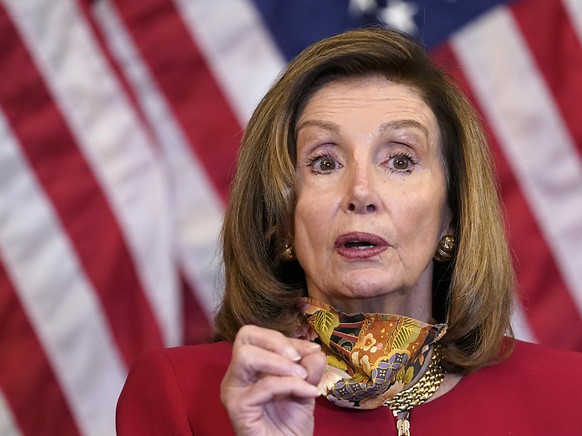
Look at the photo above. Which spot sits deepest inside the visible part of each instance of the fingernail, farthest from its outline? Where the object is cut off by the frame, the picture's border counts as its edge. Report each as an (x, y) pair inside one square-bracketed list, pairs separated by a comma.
[(314, 346), (300, 371), (293, 354), (316, 391)]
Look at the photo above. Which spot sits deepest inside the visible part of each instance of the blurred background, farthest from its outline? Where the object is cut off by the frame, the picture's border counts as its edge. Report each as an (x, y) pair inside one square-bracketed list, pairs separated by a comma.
[(119, 128)]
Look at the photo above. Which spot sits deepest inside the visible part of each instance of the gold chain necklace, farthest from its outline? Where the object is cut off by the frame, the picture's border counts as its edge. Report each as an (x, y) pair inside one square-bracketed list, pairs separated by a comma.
[(417, 394)]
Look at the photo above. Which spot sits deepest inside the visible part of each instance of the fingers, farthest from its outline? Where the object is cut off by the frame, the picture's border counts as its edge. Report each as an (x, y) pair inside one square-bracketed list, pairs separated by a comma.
[(253, 411), (314, 364), (271, 381), (265, 390), (270, 387), (275, 342), (260, 352), (251, 363)]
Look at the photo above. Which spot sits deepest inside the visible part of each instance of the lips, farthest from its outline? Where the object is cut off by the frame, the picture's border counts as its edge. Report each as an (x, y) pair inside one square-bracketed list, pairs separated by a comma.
[(360, 245)]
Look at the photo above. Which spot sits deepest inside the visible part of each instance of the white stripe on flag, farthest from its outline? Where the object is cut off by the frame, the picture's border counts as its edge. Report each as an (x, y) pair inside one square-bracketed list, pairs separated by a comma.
[(238, 47), (522, 113), (8, 426), (574, 9), (197, 207), (59, 301), (520, 326), (101, 119)]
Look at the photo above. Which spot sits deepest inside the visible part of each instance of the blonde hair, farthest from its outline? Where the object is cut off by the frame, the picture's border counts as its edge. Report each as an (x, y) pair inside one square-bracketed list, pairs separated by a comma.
[(474, 289)]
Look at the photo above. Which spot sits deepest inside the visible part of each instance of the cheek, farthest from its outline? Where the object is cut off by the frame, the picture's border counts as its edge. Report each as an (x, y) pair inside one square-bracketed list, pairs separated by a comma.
[(424, 219), (314, 218), (306, 222)]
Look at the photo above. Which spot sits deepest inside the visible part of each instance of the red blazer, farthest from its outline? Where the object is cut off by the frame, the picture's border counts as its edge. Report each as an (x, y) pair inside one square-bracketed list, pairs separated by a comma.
[(537, 391)]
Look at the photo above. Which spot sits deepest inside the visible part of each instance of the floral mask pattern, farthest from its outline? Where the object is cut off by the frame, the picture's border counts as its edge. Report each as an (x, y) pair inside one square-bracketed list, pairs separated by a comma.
[(370, 356)]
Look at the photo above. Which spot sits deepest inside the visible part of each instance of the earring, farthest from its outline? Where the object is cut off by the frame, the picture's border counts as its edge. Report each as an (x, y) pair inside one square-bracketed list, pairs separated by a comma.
[(445, 249), (288, 254)]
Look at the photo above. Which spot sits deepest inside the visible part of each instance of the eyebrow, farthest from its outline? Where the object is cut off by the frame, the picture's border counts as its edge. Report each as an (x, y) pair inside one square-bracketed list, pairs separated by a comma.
[(396, 124), (327, 125)]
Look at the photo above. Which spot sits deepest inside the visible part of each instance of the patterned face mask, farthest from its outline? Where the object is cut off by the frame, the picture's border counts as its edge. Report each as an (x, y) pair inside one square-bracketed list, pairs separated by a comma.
[(370, 356)]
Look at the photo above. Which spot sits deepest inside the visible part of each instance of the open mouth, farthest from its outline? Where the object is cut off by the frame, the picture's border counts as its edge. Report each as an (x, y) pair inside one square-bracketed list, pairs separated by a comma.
[(360, 245)]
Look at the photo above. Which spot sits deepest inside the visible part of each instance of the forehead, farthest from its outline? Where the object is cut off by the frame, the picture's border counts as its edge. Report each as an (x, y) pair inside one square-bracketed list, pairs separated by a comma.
[(376, 97)]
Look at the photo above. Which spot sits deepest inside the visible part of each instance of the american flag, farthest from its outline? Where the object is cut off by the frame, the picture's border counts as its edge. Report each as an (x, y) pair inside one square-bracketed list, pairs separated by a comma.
[(119, 127)]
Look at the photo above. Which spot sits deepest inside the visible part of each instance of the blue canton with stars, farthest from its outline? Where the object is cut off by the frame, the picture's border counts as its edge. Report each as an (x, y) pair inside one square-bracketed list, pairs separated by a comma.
[(295, 24)]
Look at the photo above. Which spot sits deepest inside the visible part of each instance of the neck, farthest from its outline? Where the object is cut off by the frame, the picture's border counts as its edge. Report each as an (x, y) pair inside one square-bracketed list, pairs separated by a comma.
[(414, 304)]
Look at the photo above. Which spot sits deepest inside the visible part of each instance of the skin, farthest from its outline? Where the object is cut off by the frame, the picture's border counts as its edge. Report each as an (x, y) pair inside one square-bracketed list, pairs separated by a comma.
[(369, 163), (371, 208), (271, 383)]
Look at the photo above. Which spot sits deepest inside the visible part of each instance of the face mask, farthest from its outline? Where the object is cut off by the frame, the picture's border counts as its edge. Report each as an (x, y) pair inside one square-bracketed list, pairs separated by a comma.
[(370, 356)]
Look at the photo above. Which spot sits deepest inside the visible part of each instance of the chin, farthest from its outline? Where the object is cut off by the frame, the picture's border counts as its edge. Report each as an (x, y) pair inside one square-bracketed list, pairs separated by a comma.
[(370, 293), (366, 288)]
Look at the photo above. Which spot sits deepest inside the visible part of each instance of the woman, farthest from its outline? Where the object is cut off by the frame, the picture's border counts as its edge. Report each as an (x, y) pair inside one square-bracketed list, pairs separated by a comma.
[(368, 279)]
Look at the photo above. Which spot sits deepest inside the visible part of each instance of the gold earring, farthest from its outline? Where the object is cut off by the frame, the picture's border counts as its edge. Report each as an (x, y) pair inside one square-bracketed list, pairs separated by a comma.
[(445, 249), (288, 254)]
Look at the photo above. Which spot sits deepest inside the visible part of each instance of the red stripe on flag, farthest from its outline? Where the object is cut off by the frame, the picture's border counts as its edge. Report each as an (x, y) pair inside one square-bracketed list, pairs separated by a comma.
[(554, 45), (26, 376), (183, 76), (81, 206), (544, 295)]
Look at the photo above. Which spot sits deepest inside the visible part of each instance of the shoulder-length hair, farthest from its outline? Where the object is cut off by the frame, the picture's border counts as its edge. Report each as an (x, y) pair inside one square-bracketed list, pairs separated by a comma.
[(474, 290)]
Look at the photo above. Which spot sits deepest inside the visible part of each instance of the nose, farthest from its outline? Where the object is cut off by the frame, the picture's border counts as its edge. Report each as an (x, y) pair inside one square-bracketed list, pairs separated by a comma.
[(361, 193)]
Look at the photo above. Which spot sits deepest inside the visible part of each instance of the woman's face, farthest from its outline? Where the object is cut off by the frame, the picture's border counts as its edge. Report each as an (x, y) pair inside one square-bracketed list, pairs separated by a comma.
[(371, 196)]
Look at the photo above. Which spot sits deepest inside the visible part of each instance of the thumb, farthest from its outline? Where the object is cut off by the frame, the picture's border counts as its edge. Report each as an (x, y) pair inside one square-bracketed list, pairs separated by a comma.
[(314, 364)]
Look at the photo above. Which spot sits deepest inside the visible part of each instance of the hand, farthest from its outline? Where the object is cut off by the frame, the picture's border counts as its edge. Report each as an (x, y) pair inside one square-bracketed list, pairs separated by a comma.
[(271, 383)]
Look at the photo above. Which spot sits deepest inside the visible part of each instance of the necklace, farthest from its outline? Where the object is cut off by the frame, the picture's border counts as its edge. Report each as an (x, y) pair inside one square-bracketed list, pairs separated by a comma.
[(417, 394)]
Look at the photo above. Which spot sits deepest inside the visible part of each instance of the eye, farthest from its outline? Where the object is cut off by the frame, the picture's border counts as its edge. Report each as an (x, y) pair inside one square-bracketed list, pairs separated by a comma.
[(324, 164), (402, 162)]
